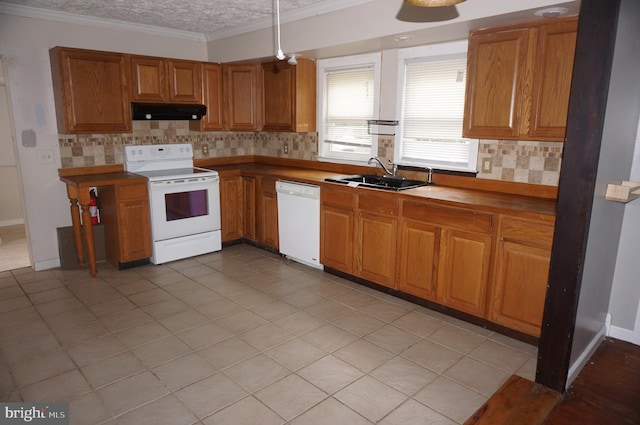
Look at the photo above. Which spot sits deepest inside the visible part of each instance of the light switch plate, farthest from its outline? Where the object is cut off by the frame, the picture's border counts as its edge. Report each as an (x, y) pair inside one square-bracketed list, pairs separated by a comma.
[(45, 156), (487, 165)]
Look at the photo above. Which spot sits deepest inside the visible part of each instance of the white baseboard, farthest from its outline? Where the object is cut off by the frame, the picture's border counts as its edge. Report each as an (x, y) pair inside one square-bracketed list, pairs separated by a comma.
[(582, 360), (632, 336), (45, 265), (4, 223)]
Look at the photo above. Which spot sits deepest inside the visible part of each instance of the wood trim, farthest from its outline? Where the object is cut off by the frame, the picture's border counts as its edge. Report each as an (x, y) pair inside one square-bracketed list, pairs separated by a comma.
[(587, 107), (98, 169), (465, 182)]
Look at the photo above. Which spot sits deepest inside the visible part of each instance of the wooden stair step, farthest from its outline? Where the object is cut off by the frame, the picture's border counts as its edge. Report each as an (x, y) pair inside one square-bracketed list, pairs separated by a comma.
[(519, 401)]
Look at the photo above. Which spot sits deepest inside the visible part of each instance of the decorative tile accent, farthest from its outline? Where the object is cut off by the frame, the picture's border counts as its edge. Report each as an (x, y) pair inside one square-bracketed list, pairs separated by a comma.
[(521, 161), (515, 161), (108, 149)]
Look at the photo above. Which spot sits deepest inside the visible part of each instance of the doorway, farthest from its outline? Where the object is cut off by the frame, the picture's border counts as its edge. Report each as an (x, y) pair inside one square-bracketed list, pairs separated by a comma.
[(14, 247)]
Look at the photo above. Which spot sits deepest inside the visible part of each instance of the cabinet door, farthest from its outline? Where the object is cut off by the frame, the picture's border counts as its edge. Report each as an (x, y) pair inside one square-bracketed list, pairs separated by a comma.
[(336, 238), (91, 91), (231, 207), (376, 252), (278, 85), (185, 81), (149, 79), (211, 98), (464, 259), (418, 253), (496, 68), (267, 214), (125, 209), (244, 97), (520, 286), (249, 206), (552, 72)]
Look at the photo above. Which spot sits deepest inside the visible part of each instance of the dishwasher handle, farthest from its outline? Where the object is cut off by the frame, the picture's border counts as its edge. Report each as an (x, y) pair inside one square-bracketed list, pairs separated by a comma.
[(303, 190)]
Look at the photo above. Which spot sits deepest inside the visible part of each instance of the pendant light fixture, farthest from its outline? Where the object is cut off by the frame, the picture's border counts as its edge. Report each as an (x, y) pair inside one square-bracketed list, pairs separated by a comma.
[(279, 54), (432, 3)]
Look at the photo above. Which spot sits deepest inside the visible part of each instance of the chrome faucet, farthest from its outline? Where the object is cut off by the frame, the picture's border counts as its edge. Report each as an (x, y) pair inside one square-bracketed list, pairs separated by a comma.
[(394, 167), (429, 175)]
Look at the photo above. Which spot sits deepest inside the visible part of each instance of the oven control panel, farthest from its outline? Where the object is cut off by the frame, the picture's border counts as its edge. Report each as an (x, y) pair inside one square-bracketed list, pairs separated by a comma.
[(158, 152)]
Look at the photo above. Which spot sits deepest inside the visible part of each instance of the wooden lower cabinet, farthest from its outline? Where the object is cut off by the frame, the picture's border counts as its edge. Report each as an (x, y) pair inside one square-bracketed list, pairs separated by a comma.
[(444, 255), (336, 228), (267, 213), (451, 256), (231, 207), (127, 226), (464, 270), (375, 249), (521, 274), (249, 208), (237, 207), (418, 254)]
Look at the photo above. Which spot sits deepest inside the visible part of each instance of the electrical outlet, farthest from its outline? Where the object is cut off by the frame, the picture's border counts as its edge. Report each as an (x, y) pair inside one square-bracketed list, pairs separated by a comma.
[(45, 156), (205, 150), (487, 166), (286, 148)]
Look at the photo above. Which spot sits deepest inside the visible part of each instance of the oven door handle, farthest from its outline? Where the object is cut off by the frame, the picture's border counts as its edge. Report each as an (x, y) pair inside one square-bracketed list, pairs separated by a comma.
[(162, 184)]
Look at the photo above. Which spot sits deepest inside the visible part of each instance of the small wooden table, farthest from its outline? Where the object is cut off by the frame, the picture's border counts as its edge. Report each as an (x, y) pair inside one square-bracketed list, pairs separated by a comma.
[(78, 192)]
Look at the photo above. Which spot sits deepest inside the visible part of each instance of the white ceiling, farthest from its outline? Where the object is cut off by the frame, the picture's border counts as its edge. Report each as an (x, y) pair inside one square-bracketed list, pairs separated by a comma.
[(212, 18)]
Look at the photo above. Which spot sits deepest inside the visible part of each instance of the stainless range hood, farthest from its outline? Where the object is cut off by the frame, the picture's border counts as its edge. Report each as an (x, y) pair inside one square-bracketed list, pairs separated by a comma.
[(167, 111)]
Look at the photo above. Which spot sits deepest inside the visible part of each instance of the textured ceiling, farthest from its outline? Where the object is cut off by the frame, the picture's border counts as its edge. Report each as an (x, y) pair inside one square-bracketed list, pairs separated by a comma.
[(208, 17)]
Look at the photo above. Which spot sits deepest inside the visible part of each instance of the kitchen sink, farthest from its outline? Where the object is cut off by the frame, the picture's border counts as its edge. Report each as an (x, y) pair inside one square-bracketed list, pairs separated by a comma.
[(378, 182)]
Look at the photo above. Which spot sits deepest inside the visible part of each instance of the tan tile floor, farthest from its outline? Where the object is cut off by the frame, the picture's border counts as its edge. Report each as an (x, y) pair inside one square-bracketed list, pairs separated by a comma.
[(14, 252), (239, 337)]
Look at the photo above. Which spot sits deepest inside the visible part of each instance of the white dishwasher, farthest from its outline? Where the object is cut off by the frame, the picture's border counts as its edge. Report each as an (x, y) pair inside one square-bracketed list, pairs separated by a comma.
[(299, 222)]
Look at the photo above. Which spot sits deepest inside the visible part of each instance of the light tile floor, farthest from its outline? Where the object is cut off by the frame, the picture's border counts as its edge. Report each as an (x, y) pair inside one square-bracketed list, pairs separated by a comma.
[(238, 337), (14, 252)]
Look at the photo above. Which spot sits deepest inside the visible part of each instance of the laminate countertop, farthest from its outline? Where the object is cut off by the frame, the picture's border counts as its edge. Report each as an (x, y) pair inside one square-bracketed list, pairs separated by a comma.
[(478, 200)]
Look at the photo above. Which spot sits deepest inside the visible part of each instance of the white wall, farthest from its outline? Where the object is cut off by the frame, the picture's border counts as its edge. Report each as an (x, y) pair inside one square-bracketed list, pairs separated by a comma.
[(615, 162), (25, 44), (371, 27), (624, 306)]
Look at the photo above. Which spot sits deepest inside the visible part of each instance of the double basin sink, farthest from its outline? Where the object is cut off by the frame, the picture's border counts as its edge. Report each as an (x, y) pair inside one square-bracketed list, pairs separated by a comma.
[(385, 182)]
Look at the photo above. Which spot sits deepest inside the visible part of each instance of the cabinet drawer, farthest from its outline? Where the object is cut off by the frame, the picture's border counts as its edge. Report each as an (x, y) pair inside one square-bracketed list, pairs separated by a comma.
[(378, 204), (132, 191), (533, 233), (464, 220), (336, 197)]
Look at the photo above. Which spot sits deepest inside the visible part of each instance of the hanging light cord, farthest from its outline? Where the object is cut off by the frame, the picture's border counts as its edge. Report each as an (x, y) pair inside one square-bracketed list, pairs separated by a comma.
[(279, 54)]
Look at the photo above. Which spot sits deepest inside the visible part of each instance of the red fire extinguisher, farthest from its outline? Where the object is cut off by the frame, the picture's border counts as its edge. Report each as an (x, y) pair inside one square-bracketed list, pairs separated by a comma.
[(93, 207)]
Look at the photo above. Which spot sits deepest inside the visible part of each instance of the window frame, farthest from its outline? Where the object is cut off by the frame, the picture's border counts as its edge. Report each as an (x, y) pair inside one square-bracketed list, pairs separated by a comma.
[(373, 60), (431, 52)]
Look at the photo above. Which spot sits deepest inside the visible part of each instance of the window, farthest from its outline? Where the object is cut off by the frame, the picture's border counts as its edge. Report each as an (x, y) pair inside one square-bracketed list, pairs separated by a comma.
[(432, 90), (349, 89)]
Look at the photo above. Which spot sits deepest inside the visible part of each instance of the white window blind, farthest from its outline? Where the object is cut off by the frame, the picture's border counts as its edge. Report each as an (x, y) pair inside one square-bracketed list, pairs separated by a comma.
[(350, 100), (432, 113)]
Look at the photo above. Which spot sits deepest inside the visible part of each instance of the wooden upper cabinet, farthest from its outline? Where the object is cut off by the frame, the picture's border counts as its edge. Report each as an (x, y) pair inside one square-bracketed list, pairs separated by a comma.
[(159, 80), (149, 79), (212, 98), (91, 91), (243, 96), (518, 81), (495, 76), (289, 96), (552, 73)]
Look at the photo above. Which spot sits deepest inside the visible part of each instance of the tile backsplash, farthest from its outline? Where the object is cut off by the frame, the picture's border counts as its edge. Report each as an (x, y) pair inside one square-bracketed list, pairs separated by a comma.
[(516, 161), (520, 161)]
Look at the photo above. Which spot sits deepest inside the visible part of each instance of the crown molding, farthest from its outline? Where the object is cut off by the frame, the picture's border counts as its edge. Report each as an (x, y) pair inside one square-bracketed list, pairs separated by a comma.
[(72, 18)]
